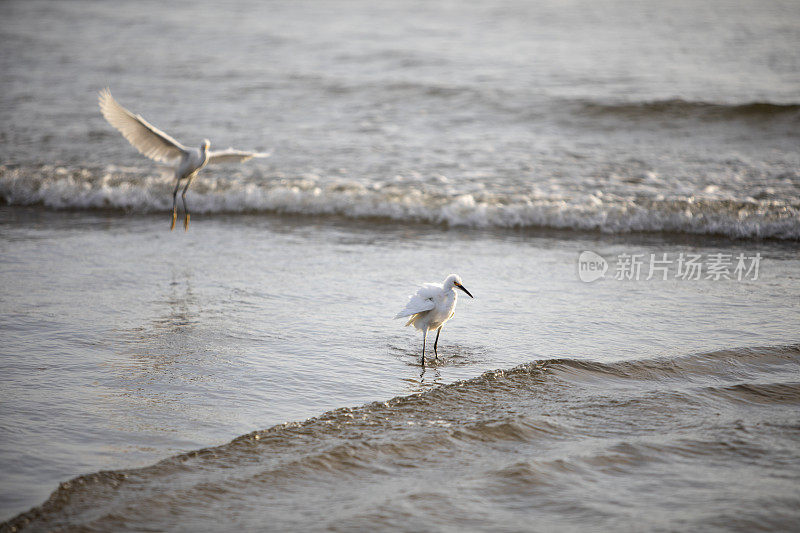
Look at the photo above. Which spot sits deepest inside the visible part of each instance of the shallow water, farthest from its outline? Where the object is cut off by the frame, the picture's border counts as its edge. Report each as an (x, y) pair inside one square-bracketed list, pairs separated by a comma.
[(138, 343), (699, 442), (411, 140)]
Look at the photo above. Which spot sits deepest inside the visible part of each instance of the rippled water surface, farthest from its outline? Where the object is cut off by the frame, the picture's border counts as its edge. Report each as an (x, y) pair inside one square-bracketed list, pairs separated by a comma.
[(249, 370), (138, 343)]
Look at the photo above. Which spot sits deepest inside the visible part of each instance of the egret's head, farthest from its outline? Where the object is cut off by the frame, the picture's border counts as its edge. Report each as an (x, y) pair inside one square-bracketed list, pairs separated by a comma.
[(206, 145), (454, 281)]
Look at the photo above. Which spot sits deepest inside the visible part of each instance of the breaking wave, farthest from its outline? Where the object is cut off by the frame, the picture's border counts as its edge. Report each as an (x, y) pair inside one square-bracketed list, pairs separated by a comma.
[(129, 190)]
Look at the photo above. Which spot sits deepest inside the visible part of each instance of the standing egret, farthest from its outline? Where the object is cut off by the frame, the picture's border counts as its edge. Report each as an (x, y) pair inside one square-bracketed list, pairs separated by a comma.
[(158, 146), (431, 307)]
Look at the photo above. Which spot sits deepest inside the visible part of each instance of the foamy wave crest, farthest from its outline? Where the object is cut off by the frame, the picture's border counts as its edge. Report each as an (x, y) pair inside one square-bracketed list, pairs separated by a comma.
[(127, 189)]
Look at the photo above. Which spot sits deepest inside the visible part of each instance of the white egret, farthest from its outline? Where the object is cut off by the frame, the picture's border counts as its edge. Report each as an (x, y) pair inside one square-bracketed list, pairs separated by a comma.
[(432, 306), (158, 146)]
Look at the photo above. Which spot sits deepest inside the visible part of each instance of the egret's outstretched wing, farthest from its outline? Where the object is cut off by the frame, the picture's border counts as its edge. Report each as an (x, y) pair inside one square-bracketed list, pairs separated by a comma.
[(233, 156), (421, 301), (149, 140)]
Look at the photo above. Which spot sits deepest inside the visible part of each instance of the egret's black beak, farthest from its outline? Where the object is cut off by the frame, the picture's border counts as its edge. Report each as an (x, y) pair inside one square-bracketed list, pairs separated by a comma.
[(465, 290)]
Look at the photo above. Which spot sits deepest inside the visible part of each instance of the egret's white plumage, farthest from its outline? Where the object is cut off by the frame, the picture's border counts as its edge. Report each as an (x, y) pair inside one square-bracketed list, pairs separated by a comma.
[(158, 146), (431, 306)]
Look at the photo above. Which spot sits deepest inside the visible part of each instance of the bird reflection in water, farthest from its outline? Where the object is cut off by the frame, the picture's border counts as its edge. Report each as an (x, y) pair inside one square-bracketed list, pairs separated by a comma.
[(183, 311), (171, 334), (164, 374), (429, 377), (432, 380)]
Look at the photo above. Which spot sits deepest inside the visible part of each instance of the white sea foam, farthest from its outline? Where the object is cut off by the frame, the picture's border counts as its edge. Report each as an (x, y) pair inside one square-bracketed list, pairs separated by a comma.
[(128, 190)]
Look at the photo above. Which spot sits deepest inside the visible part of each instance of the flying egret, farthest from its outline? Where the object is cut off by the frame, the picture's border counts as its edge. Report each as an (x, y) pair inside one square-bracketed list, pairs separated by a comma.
[(432, 306), (158, 146)]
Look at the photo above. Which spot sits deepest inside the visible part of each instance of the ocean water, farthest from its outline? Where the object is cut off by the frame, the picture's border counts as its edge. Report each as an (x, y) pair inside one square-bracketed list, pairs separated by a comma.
[(249, 372), (614, 116)]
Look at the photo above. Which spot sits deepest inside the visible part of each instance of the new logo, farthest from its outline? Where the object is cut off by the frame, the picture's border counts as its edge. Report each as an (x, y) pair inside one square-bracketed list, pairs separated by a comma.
[(591, 266)]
